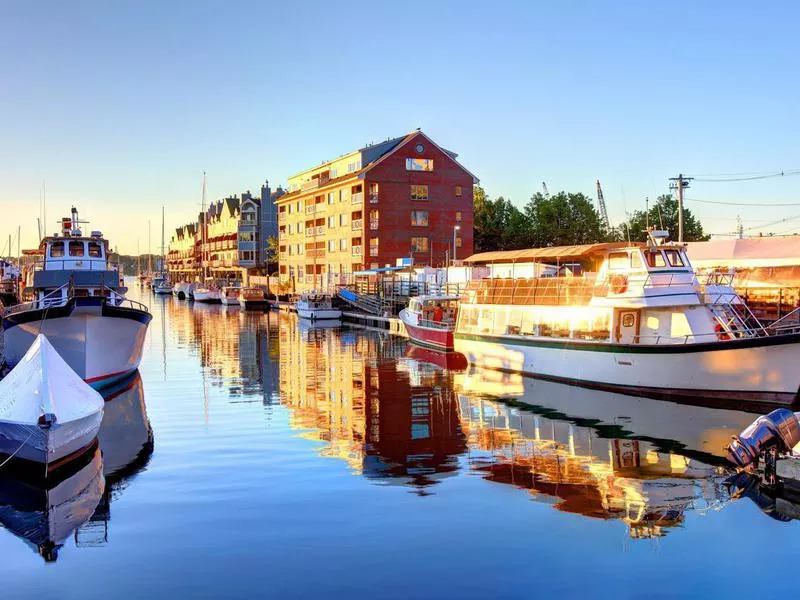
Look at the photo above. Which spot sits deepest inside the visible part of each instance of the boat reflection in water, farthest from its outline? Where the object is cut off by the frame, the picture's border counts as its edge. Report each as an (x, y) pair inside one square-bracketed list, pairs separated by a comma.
[(45, 512), (389, 420), (599, 454), (126, 441)]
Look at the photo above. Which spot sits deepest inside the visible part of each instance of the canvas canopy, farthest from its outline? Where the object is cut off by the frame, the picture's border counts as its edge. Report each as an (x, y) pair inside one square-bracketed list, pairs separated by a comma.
[(551, 253)]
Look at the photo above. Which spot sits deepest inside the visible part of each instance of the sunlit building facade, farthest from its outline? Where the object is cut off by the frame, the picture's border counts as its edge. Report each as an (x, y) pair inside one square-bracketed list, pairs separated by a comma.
[(405, 198)]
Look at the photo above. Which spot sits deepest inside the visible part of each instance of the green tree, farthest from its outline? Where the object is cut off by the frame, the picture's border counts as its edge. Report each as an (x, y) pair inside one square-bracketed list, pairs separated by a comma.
[(271, 254), (564, 219), (664, 215)]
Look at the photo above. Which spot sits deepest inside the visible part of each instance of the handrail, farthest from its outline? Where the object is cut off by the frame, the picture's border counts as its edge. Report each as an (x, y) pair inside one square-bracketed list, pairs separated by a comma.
[(46, 302)]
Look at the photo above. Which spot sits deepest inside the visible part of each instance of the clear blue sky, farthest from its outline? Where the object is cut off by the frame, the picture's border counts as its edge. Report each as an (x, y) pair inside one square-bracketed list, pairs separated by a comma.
[(121, 106)]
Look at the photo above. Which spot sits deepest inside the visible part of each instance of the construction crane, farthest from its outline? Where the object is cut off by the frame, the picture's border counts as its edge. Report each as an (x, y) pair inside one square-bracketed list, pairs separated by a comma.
[(544, 190), (601, 203)]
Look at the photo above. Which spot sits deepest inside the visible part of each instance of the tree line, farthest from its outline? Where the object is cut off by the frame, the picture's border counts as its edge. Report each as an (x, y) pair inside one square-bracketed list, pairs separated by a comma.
[(565, 219)]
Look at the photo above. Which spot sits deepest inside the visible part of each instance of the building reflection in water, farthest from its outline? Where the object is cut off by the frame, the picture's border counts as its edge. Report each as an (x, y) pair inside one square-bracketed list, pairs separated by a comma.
[(352, 390), (238, 349)]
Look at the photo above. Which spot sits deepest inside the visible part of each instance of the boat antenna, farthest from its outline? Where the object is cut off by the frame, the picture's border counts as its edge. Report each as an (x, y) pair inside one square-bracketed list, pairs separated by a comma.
[(647, 212), (660, 216)]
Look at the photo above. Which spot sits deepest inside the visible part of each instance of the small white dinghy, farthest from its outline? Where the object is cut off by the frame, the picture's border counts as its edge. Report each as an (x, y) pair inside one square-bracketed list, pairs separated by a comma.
[(47, 412)]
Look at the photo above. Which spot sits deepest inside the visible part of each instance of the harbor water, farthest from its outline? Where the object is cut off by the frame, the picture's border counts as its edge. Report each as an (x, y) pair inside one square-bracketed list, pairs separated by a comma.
[(255, 456)]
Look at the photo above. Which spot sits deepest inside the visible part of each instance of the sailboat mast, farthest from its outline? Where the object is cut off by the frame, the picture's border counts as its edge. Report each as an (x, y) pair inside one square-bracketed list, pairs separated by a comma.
[(203, 230), (163, 256), (149, 253)]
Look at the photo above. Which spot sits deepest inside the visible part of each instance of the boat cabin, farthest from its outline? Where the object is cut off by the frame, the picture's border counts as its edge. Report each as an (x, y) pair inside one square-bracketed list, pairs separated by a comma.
[(75, 264), (643, 293), (426, 309)]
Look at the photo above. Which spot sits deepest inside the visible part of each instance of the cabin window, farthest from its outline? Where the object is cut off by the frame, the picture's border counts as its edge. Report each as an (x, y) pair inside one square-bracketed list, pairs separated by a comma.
[(636, 260), (57, 249), (95, 250), (655, 259), (619, 260), (76, 249), (674, 258)]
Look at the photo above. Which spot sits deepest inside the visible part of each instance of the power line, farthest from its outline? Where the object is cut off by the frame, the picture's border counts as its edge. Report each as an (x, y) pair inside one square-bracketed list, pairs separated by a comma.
[(751, 177), (762, 204)]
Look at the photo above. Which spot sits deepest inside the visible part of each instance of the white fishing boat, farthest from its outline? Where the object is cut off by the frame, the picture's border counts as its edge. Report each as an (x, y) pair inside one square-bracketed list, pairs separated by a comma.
[(207, 294), (626, 317), (162, 285), (229, 295), (79, 304), (317, 307), (47, 412)]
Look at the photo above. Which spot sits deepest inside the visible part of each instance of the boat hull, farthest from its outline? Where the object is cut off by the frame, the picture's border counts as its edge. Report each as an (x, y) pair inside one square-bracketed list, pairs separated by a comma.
[(162, 291), (762, 370), (317, 314), (207, 297), (254, 304), (49, 446), (229, 300), (101, 343), (429, 337)]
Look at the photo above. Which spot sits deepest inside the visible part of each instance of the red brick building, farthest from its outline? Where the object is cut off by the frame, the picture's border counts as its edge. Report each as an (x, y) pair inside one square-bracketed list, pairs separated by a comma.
[(405, 197)]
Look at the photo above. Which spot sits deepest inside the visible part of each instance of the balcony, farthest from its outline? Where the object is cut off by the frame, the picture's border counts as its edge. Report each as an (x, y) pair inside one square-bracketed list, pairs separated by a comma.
[(282, 217), (310, 210), (373, 224), (356, 251), (357, 224), (357, 198)]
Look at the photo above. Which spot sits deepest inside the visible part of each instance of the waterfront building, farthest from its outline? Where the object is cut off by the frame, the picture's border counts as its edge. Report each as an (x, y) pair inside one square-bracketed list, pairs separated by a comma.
[(405, 198), (226, 241), (258, 221)]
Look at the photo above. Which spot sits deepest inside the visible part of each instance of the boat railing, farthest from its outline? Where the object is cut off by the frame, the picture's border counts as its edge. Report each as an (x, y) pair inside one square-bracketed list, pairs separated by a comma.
[(721, 336), (443, 325), (76, 263), (50, 300)]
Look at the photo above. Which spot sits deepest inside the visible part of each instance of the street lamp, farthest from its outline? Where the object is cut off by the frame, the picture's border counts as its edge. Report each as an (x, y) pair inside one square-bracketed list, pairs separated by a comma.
[(456, 228)]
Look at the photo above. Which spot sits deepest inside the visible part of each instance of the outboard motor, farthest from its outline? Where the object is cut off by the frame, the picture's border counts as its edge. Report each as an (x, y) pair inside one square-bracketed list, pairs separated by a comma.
[(780, 430)]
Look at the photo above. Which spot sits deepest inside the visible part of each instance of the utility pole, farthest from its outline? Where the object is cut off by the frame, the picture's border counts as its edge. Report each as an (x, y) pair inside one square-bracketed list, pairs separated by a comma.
[(680, 183)]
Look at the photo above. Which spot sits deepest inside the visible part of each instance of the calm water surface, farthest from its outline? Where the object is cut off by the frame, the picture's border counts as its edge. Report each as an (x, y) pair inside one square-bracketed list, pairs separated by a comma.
[(254, 456)]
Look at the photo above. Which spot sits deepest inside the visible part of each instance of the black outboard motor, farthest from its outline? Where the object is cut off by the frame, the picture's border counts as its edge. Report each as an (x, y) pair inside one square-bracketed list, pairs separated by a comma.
[(780, 429)]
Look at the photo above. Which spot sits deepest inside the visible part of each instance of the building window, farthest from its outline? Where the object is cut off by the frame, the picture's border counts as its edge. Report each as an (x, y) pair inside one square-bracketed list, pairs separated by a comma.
[(342, 220), (290, 209), (331, 198), (419, 244), (458, 242), (290, 249), (342, 244), (299, 249), (300, 227), (419, 218), (297, 206), (331, 245), (290, 229), (419, 192), (419, 164), (458, 217), (246, 236), (458, 190), (353, 166), (331, 222), (334, 173)]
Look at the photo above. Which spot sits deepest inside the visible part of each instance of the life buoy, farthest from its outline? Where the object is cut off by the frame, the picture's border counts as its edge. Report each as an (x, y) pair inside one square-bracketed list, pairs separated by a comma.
[(618, 284), (722, 335)]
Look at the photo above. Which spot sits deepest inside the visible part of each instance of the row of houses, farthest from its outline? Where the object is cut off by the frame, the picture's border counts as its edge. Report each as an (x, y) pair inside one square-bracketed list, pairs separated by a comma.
[(228, 240), (405, 200)]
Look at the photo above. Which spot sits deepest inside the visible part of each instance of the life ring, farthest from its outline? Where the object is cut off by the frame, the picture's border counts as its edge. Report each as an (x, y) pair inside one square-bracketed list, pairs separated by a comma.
[(722, 335), (618, 284)]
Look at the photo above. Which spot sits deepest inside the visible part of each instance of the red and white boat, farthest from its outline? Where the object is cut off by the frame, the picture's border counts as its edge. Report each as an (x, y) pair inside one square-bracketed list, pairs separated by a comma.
[(431, 320)]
